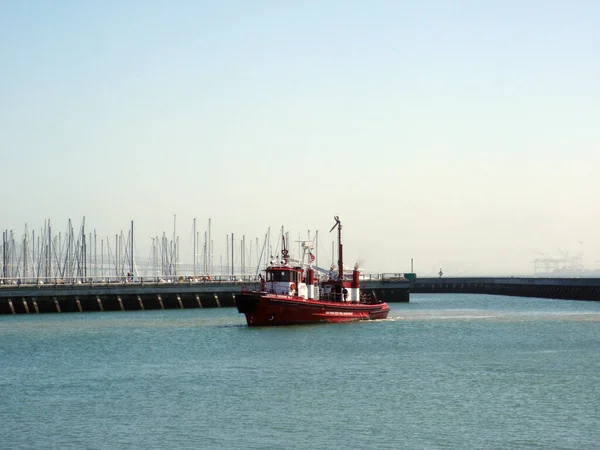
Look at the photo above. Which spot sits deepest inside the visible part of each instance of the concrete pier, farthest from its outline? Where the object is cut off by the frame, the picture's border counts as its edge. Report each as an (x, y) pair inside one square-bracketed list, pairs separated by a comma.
[(559, 288), (99, 297), (59, 298)]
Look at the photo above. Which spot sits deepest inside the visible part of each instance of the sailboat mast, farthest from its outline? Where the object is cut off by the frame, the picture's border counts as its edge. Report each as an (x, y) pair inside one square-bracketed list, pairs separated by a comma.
[(49, 273), (131, 252), (195, 246)]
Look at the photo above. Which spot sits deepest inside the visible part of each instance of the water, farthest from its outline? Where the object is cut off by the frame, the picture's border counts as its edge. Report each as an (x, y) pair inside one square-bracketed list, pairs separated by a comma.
[(444, 371)]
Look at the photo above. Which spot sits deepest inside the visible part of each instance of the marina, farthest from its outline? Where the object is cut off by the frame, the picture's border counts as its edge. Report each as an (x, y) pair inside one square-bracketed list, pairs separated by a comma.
[(77, 271), (77, 255)]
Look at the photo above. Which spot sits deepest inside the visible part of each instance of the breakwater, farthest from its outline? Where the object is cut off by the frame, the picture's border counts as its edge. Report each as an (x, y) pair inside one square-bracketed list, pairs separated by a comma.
[(138, 296), (89, 297), (559, 288)]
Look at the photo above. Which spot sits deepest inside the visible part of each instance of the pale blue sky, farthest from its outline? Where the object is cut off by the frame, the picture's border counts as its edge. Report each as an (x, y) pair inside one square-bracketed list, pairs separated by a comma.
[(464, 134)]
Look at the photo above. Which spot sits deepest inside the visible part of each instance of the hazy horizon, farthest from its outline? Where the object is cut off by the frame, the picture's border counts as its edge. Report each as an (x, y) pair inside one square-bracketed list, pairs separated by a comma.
[(462, 135)]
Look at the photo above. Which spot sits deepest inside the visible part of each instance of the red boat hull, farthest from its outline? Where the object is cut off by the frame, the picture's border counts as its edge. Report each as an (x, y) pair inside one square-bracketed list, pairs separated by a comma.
[(262, 309)]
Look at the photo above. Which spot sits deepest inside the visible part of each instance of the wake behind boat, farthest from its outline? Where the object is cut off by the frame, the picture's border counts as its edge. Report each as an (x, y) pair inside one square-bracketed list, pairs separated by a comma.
[(292, 294)]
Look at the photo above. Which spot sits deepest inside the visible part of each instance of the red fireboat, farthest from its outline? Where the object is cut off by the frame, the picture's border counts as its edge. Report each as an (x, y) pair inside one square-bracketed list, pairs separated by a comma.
[(291, 294)]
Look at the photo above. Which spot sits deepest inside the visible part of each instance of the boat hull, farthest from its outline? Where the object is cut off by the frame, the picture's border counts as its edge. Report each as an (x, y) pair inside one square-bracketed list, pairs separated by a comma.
[(262, 309)]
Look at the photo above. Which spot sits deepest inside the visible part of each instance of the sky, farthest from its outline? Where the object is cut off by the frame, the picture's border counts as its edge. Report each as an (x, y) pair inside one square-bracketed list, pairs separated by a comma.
[(463, 135)]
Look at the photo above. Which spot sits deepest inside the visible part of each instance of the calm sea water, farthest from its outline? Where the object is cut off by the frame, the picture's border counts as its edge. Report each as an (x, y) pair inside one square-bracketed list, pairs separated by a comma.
[(444, 371)]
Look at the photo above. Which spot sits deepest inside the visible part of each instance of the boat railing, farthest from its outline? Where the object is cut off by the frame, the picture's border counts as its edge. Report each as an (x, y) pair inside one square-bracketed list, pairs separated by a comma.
[(40, 282), (334, 297), (104, 280)]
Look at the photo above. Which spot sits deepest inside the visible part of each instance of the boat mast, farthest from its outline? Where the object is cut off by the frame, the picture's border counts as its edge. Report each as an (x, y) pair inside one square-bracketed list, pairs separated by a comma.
[(338, 224), (284, 250)]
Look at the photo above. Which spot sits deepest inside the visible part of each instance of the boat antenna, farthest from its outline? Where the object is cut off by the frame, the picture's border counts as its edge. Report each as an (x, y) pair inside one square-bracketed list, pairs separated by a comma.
[(338, 224)]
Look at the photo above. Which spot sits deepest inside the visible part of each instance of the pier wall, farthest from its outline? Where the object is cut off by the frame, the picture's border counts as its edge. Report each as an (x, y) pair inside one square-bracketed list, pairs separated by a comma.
[(26, 299), (60, 298), (559, 288), (29, 299)]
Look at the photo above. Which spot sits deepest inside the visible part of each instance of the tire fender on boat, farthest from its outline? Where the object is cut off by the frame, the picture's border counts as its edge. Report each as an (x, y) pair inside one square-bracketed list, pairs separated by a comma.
[(292, 286)]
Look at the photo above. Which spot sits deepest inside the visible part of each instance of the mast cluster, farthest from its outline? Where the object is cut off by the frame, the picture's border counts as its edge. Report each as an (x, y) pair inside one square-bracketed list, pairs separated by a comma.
[(69, 256), (79, 254)]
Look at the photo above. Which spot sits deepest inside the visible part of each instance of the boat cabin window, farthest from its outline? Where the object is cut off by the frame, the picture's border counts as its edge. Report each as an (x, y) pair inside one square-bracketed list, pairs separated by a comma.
[(279, 276)]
